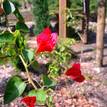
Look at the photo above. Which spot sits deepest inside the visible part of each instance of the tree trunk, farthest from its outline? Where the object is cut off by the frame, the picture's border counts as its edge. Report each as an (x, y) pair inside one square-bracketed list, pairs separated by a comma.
[(100, 32), (62, 18), (85, 21)]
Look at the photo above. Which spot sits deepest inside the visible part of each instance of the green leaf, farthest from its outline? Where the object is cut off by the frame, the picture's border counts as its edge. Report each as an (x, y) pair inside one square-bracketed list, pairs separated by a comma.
[(22, 26), (6, 37), (48, 82), (17, 33), (14, 89), (28, 54), (11, 52), (40, 95), (8, 7), (18, 15), (20, 41)]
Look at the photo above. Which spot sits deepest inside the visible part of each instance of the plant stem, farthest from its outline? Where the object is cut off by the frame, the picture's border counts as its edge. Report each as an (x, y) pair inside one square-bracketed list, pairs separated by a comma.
[(28, 75), (31, 63)]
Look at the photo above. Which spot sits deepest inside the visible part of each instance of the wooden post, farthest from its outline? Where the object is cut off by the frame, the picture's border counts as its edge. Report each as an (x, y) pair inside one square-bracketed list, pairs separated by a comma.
[(62, 17), (100, 32), (85, 20)]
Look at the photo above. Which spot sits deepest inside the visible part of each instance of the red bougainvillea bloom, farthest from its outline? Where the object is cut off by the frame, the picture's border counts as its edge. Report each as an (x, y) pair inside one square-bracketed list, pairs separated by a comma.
[(75, 73), (29, 101), (47, 31), (42, 36), (46, 41)]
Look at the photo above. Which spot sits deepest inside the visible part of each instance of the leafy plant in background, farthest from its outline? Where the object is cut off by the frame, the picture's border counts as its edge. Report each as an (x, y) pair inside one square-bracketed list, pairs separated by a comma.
[(75, 15), (42, 9), (93, 10), (41, 14), (75, 11), (53, 6), (93, 6)]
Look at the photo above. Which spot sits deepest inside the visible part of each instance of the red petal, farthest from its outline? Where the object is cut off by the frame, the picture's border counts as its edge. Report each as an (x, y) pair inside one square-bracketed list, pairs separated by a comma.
[(44, 47), (46, 43), (76, 66), (47, 31), (80, 79), (73, 73), (29, 101), (42, 37)]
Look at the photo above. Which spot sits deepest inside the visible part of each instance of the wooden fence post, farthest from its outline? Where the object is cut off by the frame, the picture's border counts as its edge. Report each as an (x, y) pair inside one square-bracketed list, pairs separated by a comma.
[(100, 32), (62, 18)]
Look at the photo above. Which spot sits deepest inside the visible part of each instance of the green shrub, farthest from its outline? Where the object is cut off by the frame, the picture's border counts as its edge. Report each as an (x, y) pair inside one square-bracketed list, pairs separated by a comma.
[(53, 6), (75, 15), (41, 11), (61, 57), (41, 14)]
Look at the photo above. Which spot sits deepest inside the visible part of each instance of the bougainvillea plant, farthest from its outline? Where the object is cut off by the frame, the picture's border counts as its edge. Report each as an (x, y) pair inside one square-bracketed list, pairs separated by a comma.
[(14, 50)]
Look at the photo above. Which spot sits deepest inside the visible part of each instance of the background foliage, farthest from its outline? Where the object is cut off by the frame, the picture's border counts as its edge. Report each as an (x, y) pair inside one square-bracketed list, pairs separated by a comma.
[(41, 14), (42, 9), (53, 6), (75, 15)]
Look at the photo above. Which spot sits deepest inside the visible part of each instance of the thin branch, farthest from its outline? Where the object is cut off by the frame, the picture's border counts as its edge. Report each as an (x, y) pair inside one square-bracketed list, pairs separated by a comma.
[(28, 75)]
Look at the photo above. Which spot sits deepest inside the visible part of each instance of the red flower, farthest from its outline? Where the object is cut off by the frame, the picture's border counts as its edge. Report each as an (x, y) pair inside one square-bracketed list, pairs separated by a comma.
[(42, 36), (75, 73), (29, 101), (47, 31), (46, 41)]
